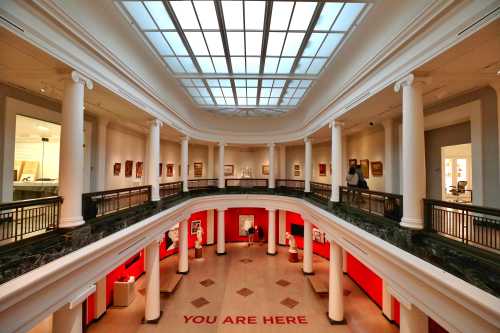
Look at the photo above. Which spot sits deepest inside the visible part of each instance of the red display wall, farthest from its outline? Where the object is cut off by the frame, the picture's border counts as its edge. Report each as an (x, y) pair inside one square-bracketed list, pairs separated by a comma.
[(370, 282), (320, 249), (232, 220)]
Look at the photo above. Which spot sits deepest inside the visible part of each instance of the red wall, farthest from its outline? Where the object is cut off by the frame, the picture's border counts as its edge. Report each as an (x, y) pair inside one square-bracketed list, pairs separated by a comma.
[(320, 249), (370, 282), (231, 219)]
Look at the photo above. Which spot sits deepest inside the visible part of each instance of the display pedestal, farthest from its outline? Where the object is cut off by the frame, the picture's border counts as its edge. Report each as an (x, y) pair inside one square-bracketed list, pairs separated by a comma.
[(198, 252), (293, 256)]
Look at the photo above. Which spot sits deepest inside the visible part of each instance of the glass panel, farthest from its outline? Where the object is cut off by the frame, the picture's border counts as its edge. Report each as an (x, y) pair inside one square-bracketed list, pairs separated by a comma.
[(253, 65), (193, 91), (276, 92), (216, 91), (292, 43), (213, 82), (225, 83), (302, 15), (228, 92), (242, 101), (294, 101), (303, 65), (281, 14), (198, 83), (214, 43), (316, 66), (313, 44), (220, 65), (267, 83), (293, 83), (206, 14), (347, 16), (140, 15), (254, 14), (265, 92), (252, 83), (329, 45), (461, 169), (252, 101), (273, 101), (285, 101), (279, 83), (289, 92), (263, 101), (241, 92), (328, 15), (271, 65), (236, 43), (156, 38), (175, 42), (251, 92), (185, 14), (174, 65), (187, 82), (285, 65), (209, 101), (204, 92), (240, 83), (275, 43), (238, 64), (220, 100), (205, 64), (233, 14), (299, 92), (305, 83), (199, 100), (254, 43), (160, 15), (230, 101), (197, 43), (188, 64)]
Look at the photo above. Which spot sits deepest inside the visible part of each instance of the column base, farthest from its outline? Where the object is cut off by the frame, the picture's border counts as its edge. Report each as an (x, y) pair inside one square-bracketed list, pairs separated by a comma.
[(389, 320), (152, 321), (211, 244), (71, 222), (271, 254), (336, 322), (183, 273), (221, 254), (412, 223), (308, 273)]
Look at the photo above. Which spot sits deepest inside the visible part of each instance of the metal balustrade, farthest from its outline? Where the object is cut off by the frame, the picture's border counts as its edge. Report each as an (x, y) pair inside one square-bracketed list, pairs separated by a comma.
[(256, 183), (195, 185), (321, 190), (290, 185), (171, 189)]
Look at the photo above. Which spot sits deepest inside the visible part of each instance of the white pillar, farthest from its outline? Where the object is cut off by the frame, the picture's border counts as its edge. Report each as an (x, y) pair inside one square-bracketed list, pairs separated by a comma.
[(210, 226), (336, 160), (271, 178), (282, 227), (307, 266), (221, 233), (183, 267), (184, 163), (388, 155), (271, 232), (210, 166), (100, 297), (386, 301), (283, 161), (413, 160), (102, 124), (221, 179), (154, 159), (71, 151), (345, 163), (307, 165), (66, 320), (152, 267), (412, 320), (335, 286), (344, 261)]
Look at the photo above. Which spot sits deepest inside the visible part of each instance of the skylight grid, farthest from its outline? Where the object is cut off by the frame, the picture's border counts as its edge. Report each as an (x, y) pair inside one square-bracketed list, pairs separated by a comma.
[(274, 50)]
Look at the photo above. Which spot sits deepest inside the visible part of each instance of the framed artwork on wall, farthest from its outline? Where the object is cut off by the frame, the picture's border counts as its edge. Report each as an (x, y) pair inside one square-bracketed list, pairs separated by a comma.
[(139, 169), (228, 170), (161, 170), (172, 238), (198, 169), (365, 168), (170, 170), (128, 168), (265, 170), (117, 167), (318, 236), (194, 226), (353, 162), (245, 222), (322, 169), (377, 169), (296, 170)]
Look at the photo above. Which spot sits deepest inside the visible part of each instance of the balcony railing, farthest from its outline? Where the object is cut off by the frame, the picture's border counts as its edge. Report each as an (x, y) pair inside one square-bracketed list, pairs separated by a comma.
[(290, 185), (473, 225), (321, 190), (388, 205), (247, 183), (106, 202), (26, 218), (203, 185), (168, 190)]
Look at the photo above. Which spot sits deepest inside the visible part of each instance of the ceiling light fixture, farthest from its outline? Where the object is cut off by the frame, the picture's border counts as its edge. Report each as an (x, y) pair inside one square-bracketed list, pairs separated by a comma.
[(42, 90)]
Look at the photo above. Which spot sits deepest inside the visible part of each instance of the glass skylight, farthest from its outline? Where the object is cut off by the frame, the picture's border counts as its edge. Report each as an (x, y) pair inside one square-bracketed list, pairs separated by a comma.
[(233, 54)]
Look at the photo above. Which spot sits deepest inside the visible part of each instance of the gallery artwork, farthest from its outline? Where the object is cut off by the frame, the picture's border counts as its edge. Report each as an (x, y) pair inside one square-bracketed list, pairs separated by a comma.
[(198, 169), (245, 222), (265, 170), (117, 167), (139, 169), (194, 226), (228, 170), (365, 168), (377, 169), (318, 236), (322, 169), (161, 170), (172, 238), (170, 170), (353, 162), (128, 168), (296, 170)]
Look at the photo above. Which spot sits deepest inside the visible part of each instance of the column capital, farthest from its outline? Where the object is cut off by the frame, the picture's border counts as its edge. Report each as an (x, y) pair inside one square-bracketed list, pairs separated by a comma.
[(271, 210), (221, 144), (103, 120), (271, 145), (307, 139), (387, 122), (185, 138), (155, 122), (158, 239), (81, 295), (78, 77), (220, 210), (410, 80), (336, 123)]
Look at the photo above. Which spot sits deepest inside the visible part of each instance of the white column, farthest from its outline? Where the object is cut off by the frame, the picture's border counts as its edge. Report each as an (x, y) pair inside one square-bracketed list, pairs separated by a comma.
[(210, 226), (386, 301), (335, 286), (66, 320), (221, 233), (307, 165), (271, 178), (271, 232), (222, 183), (210, 166), (336, 160), (413, 159), (100, 297), (282, 227), (102, 124), (344, 261), (388, 155), (307, 266), (183, 267), (283, 161), (152, 268), (344, 159), (412, 320), (184, 163), (71, 151), (154, 159)]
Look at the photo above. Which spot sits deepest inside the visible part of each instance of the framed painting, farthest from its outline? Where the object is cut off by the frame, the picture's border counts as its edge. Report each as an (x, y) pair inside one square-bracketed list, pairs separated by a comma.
[(322, 169), (353, 162), (160, 170), (172, 238), (228, 170), (377, 169), (117, 167), (365, 168), (139, 169), (296, 170), (128, 168), (265, 170), (245, 222), (198, 169), (318, 236), (194, 226), (170, 170)]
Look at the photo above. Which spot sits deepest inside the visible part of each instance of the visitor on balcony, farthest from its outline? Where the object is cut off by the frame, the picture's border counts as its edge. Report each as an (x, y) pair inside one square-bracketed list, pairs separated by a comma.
[(352, 179)]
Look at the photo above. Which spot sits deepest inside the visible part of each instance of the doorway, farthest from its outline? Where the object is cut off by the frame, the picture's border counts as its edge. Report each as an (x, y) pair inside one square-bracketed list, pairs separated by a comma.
[(456, 168)]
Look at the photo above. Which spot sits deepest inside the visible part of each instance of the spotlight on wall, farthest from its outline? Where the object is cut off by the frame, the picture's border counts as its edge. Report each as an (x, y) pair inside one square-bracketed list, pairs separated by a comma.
[(42, 90), (371, 123)]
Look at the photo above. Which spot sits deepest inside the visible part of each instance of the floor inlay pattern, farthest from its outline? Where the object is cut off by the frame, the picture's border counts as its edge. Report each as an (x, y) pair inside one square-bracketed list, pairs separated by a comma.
[(207, 282), (289, 302), (246, 260), (245, 292), (283, 283), (199, 302)]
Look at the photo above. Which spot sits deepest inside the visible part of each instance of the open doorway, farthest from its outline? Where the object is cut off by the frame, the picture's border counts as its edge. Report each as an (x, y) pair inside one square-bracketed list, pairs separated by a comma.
[(456, 166)]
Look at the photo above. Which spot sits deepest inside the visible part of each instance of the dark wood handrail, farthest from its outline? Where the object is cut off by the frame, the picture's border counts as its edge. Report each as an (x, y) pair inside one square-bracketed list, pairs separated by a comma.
[(30, 202), (118, 190), (456, 205), (382, 194), (171, 183)]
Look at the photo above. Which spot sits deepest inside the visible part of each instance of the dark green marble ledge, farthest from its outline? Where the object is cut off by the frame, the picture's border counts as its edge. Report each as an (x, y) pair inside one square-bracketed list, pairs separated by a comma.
[(478, 267)]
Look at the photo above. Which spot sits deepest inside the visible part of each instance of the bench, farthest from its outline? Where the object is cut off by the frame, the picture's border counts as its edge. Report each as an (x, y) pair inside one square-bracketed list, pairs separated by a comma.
[(169, 284), (318, 285)]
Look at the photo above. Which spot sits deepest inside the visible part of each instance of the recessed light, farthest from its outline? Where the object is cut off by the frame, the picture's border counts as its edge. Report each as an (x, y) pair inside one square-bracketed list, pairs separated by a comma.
[(498, 73), (42, 90)]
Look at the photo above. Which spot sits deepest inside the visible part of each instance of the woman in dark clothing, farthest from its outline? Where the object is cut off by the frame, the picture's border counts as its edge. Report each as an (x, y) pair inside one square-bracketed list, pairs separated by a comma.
[(260, 233)]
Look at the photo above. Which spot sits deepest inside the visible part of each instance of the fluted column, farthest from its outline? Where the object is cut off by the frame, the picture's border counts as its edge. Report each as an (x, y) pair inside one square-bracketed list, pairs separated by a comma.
[(71, 150), (154, 159), (336, 160), (183, 263), (307, 267), (100, 174), (210, 166), (335, 286), (221, 233), (271, 232), (307, 165), (152, 268), (185, 163), (271, 177), (413, 159), (222, 182), (388, 155)]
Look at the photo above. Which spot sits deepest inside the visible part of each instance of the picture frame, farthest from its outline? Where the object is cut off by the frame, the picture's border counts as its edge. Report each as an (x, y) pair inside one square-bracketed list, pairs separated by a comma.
[(353, 162), (377, 169), (170, 170), (194, 226), (139, 169), (296, 170), (172, 238), (128, 168), (322, 169), (318, 236), (229, 170), (198, 169), (365, 168), (117, 167), (160, 169), (242, 220), (265, 170)]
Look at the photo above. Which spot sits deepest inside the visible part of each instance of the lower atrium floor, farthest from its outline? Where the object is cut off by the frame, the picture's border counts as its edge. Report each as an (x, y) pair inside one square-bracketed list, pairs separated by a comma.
[(243, 291)]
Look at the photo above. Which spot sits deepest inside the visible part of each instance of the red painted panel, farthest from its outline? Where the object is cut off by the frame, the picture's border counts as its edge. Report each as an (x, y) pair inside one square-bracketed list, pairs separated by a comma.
[(232, 216), (320, 249), (395, 310), (90, 308), (200, 216), (135, 270), (370, 282)]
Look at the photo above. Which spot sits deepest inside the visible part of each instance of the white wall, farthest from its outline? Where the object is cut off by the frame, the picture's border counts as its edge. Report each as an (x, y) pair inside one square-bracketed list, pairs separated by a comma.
[(170, 153), (242, 157), (198, 153), (49, 160), (321, 153)]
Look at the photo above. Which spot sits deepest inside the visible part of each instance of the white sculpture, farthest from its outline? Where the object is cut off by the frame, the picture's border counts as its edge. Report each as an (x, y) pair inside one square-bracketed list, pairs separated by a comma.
[(199, 237), (291, 243)]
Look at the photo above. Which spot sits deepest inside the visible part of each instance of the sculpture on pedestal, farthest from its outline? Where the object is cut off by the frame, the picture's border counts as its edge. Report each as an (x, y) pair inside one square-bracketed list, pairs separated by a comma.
[(293, 254), (198, 242)]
